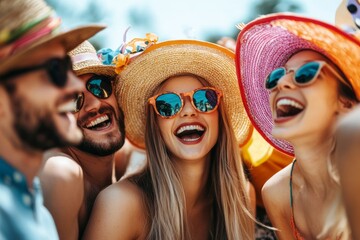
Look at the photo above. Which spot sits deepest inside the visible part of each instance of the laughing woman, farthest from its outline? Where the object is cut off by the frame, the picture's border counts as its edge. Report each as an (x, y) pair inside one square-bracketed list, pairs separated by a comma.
[(306, 76), (182, 102)]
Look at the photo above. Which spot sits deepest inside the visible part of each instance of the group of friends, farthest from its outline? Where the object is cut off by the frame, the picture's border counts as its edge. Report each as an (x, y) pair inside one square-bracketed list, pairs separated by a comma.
[(250, 139)]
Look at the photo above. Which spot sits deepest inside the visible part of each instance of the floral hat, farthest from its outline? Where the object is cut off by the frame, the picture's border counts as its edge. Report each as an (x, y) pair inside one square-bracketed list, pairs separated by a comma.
[(268, 42)]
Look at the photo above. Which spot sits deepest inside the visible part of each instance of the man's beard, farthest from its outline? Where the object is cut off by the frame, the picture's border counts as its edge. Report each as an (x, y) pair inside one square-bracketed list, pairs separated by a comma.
[(35, 126), (113, 141)]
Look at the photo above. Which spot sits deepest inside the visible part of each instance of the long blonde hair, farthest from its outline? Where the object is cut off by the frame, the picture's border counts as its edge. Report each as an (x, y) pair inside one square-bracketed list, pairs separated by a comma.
[(165, 198)]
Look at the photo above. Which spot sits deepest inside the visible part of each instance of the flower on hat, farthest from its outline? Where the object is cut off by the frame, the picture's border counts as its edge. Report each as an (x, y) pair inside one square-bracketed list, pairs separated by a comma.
[(132, 49), (121, 56)]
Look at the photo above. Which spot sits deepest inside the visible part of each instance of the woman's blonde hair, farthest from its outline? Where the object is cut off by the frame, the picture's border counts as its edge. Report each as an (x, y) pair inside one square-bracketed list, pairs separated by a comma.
[(226, 186)]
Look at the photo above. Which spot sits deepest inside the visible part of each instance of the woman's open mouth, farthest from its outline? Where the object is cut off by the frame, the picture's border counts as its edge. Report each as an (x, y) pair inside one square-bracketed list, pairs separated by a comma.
[(190, 134), (287, 108)]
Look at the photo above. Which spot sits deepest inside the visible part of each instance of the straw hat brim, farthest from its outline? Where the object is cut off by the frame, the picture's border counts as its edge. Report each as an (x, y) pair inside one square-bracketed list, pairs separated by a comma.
[(147, 71), (268, 42), (97, 69), (69, 39)]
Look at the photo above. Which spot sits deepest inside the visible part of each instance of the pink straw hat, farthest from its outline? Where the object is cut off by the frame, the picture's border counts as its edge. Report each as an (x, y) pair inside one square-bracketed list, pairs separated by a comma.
[(268, 42)]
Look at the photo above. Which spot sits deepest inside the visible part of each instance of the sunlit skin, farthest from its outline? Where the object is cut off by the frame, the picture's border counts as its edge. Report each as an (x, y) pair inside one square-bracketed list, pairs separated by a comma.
[(192, 163), (188, 116), (311, 132), (40, 98), (86, 169), (320, 101), (108, 135)]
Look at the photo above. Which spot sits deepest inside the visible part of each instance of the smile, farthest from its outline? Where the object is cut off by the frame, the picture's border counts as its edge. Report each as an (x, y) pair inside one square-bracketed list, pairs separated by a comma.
[(99, 123), (190, 134), (286, 107)]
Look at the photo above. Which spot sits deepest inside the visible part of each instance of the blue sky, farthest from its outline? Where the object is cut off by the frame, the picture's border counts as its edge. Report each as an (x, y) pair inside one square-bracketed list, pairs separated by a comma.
[(171, 19)]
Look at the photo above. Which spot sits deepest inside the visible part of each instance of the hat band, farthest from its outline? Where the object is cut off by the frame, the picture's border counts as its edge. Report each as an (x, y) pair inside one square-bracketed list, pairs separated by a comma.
[(51, 24), (84, 57)]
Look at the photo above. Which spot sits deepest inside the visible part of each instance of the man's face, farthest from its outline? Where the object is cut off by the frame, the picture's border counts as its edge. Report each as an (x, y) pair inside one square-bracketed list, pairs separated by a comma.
[(101, 120), (38, 110)]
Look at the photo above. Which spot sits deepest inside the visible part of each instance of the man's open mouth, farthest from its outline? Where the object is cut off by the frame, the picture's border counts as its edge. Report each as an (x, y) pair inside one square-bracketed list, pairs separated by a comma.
[(99, 123)]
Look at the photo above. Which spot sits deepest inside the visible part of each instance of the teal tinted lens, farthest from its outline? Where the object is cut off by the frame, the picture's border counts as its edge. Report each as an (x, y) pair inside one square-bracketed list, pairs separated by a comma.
[(100, 87), (273, 78), (205, 99), (168, 104), (307, 72)]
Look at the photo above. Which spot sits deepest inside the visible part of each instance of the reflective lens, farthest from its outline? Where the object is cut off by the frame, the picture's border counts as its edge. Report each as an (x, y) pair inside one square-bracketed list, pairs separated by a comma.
[(205, 99), (99, 86), (169, 104), (302, 76), (273, 78), (307, 72)]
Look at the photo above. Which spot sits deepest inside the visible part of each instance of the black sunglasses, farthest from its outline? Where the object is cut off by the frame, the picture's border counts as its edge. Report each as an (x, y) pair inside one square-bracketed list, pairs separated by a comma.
[(56, 68), (100, 86), (304, 75)]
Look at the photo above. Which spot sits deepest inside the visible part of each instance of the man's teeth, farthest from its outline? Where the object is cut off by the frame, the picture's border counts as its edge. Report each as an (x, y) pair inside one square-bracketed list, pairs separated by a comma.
[(288, 102), (97, 121), (189, 128), (67, 107)]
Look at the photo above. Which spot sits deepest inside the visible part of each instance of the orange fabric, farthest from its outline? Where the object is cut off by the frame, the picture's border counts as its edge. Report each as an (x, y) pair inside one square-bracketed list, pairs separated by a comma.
[(296, 233)]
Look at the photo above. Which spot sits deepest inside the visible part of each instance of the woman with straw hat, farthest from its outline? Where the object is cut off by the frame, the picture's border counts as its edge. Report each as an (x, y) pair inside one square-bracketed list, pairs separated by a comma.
[(298, 76), (181, 101)]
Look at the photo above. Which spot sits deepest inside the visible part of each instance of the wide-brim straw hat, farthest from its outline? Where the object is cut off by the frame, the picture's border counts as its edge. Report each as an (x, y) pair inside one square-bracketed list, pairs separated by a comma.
[(268, 42), (85, 60), (147, 71), (27, 25)]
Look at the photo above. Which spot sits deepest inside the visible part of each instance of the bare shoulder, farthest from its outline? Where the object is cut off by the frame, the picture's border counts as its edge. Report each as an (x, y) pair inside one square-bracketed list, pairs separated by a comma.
[(275, 192), (278, 185), (125, 191), (60, 166), (115, 211)]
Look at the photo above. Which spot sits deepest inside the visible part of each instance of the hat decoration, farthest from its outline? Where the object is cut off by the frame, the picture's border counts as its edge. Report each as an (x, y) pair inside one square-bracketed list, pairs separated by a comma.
[(85, 60), (121, 56)]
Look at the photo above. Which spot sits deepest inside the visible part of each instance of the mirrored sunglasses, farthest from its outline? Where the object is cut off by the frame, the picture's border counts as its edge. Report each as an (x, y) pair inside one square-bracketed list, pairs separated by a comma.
[(304, 75), (169, 104), (100, 86)]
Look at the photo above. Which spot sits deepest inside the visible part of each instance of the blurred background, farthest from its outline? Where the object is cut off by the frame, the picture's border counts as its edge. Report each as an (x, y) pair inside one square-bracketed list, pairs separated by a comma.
[(195, 19)]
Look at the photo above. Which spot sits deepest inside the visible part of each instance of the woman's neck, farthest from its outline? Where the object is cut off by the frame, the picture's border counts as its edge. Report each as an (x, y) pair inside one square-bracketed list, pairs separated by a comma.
[(312, 163), (194, 178)]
